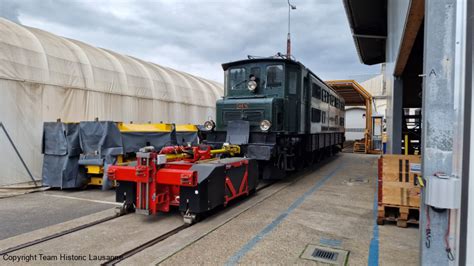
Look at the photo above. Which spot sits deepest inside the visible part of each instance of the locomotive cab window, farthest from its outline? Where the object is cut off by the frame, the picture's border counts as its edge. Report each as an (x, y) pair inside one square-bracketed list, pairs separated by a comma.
[(292, 82), (274, 76), (237, 78), (255, 73)]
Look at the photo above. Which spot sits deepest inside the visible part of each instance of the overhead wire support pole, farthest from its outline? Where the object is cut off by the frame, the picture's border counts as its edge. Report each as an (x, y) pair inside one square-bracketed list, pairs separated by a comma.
[(18, 153)]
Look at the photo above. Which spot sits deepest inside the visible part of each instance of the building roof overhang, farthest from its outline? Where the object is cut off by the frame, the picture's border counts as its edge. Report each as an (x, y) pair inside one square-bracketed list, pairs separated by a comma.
[(368, 22)]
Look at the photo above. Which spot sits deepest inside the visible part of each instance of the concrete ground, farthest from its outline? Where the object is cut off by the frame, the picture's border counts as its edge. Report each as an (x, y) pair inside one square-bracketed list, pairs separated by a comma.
[(330, 206), (337, 211), (28, 212)]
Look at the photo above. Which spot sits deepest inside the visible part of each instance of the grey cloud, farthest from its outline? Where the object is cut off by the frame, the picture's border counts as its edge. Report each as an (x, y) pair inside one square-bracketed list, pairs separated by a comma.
[(9, 10), (197, 36)]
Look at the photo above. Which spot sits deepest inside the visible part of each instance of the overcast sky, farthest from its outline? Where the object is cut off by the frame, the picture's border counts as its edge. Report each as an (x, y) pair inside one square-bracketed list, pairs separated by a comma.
[(197, 36)]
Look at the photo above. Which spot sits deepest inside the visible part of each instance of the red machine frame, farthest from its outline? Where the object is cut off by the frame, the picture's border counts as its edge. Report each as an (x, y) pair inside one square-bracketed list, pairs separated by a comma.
[(158, 185)]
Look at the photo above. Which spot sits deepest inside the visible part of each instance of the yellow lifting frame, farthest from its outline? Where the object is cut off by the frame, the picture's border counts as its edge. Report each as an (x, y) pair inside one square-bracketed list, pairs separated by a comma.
[(186, 128), (159, 127)]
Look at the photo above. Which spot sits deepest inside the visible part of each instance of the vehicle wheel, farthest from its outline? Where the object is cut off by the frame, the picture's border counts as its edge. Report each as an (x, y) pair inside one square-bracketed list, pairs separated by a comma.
[(127, 207), (190, 218)]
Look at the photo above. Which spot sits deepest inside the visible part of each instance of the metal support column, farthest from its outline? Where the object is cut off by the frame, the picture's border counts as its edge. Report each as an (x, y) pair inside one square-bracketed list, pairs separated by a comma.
[(440, 114), (397, 116), (466, 230)]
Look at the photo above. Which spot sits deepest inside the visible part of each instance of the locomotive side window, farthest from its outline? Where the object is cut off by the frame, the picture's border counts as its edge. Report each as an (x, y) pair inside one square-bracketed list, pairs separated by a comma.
[(315, 115), (238, 78), (292, 84), (316, 91), (305, 88), (275, 76)]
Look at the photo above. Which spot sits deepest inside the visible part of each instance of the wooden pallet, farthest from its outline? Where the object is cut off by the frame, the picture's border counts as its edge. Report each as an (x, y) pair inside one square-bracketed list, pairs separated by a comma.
[(359, 147), (402, 215)]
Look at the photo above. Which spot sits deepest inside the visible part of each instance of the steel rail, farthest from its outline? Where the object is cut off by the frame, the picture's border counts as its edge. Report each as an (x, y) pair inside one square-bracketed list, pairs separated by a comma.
[(160, 238), (56, 235)]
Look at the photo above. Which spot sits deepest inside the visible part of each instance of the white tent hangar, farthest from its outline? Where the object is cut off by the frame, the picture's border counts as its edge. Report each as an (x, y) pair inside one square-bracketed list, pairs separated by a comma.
[(44, 77)]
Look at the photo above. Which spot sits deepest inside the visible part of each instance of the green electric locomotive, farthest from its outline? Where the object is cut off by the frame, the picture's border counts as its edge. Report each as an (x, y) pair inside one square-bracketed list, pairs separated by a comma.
[(279, 112)]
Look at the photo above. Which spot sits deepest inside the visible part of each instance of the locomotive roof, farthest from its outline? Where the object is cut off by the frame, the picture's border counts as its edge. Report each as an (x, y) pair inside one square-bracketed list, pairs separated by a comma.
[(226, 66)]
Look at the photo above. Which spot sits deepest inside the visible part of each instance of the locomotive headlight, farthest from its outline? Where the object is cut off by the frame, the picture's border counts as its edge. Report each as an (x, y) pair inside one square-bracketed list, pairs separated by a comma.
[(209, 125), (252, 85), (265, 125)]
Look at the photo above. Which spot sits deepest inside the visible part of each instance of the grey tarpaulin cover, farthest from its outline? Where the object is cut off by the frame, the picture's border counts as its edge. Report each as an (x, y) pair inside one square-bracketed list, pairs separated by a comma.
[(184, 138), (100, 141), (133, 141), (61, 155)]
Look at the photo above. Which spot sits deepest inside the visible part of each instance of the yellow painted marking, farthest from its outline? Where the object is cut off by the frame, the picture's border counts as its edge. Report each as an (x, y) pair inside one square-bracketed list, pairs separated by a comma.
[(420, 181), (406, 144)]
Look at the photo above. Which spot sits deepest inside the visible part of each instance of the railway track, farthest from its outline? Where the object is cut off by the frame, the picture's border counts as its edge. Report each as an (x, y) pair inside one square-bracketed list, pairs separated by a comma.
[(119, 258), (131, 252), (294, 177), (162, 237), (57, 235)]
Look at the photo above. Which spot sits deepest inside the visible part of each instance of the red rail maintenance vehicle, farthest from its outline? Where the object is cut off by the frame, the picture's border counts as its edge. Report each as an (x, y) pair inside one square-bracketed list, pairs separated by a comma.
[(193, 179)]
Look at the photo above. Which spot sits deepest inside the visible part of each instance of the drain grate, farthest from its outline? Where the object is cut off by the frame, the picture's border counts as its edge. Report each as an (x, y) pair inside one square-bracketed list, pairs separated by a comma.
[(325, 255)]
